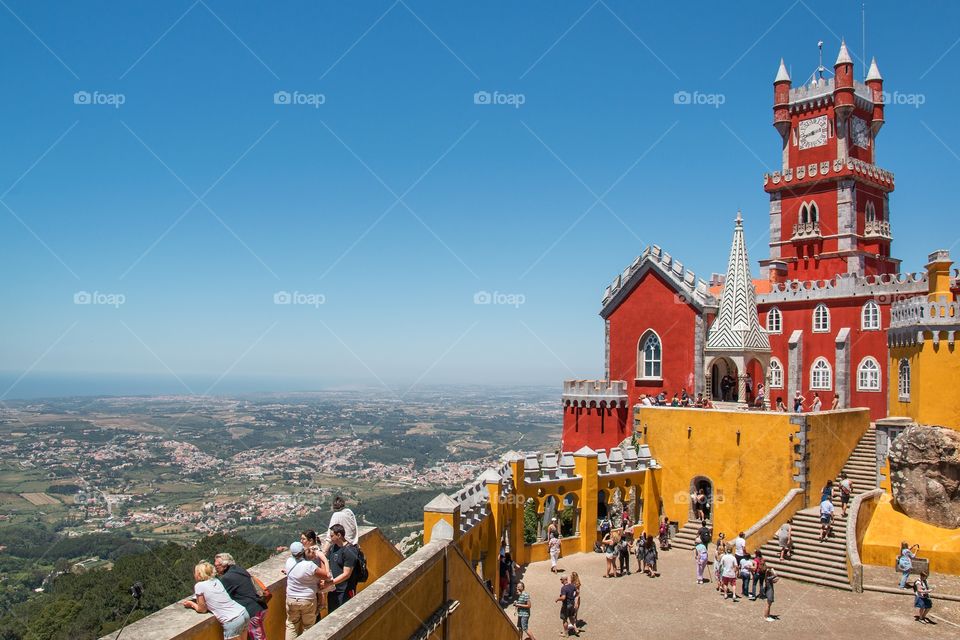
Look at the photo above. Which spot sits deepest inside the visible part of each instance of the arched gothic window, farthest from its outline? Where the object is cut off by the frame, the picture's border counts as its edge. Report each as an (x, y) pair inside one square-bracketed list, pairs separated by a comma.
[(650, 356), (868, 375), (870, 316), (821, 319), (776, 374), (903, 382), (774, 320), (821, 376)]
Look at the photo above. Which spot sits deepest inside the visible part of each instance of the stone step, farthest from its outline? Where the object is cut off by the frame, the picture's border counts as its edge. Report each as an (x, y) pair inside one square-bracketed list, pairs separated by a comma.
[(909, 592), (824, 582), (809, 568), (814, 561), (812, 545)]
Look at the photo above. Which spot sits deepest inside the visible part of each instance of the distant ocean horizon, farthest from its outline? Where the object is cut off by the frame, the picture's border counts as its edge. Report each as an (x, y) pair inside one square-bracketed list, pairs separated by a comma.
[(37, 385)]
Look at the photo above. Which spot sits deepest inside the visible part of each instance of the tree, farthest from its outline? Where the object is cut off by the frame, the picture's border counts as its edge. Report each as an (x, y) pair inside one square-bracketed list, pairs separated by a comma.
[(530, 522)]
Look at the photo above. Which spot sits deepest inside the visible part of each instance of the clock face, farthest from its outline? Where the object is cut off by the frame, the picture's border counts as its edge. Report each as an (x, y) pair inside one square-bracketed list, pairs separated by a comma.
[(813, 132), (859, 133)]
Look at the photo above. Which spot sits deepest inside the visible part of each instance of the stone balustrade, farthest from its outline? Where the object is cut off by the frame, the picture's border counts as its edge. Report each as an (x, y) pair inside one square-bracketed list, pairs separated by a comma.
[(601, 392), (806, 230), (877, 229)]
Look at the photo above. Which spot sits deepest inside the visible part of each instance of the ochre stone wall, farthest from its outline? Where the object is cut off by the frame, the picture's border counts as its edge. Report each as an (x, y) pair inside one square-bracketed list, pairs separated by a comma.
[(751, 472), (888, 528), (831, 438), (933, 369)]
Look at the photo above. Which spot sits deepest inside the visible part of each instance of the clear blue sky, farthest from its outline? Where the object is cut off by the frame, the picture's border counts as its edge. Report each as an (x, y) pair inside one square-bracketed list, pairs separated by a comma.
[(399, 198)]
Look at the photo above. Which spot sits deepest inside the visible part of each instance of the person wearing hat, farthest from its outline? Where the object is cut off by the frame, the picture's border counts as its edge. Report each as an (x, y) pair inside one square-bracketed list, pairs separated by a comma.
[(304, 579)]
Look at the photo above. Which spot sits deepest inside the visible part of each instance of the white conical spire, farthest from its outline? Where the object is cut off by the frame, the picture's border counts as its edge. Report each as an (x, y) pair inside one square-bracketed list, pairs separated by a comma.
[(844, 57), (874, 72), (737, 327), (782, 74)]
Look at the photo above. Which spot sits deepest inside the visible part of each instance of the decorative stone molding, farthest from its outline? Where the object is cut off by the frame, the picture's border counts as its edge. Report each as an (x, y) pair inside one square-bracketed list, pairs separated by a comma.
[(689, 288)]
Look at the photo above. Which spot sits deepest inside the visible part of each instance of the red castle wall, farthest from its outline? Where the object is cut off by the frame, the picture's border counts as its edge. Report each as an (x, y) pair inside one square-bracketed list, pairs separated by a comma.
[(653, 304)]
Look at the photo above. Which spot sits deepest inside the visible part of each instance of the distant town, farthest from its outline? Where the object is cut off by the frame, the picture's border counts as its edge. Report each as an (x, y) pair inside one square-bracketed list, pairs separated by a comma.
[(178, 467)]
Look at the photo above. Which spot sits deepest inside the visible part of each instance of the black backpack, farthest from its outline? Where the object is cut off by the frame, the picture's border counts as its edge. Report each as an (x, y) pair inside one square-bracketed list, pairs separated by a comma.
[(360, 571)]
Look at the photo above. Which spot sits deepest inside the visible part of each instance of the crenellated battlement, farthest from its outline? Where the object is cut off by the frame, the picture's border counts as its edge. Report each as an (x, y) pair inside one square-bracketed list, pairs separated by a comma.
[(911, 320), (694, 290), (820, 93), (609, 393), (885, 288)]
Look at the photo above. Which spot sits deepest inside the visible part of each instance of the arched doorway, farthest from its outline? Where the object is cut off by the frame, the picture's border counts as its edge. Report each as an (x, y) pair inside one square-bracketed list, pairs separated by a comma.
[(723, 380), (697, 485)]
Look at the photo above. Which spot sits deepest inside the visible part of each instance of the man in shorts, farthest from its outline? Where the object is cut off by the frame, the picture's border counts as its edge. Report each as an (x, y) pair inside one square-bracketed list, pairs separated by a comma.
[(826, 518), (568, 606), (522, 603), (728, 573), (846, 490)]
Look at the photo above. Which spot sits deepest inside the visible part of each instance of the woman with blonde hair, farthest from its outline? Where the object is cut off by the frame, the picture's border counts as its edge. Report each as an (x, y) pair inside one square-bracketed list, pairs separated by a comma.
[(575, 581), (212, 597), (609, 543)]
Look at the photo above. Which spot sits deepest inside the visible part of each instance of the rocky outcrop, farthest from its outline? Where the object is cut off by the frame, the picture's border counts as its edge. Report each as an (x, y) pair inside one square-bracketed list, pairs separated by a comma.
[(925, 474)]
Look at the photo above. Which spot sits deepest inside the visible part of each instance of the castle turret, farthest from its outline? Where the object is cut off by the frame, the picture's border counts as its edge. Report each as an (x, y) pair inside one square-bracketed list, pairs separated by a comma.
[(595, 414), (875, 82), (843, 83), (781, 101)]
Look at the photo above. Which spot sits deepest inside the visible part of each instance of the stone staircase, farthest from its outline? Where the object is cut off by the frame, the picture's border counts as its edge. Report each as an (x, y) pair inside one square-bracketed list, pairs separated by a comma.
[(825, 563), (686, 537)]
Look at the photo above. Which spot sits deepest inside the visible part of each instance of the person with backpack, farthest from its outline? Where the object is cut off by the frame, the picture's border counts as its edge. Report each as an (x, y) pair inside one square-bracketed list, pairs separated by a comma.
[(759, 574), (304, 579), (846, 489), (568, 606), (664, 533), (905, 562), (342, 557), (826, 518), (922, 601), (242, 588), (704, 533)]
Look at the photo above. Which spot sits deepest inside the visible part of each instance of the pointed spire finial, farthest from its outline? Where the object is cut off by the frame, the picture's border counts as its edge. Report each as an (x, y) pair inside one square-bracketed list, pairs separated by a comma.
[(844, 57), (739, 218), (874, 73), (782, 75)]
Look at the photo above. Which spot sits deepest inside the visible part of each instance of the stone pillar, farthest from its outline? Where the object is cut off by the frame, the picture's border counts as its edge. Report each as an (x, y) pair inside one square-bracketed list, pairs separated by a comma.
[(585, 466), (742, 387), (775, 223), (517, 510), (491, 549), (794, 366), (699, 340), (842, 384), (847, 221), (442, 508)]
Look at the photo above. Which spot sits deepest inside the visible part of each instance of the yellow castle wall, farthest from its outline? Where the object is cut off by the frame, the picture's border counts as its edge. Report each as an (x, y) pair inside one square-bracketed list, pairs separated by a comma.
[(933, 369), (889, 527), (752, 473)]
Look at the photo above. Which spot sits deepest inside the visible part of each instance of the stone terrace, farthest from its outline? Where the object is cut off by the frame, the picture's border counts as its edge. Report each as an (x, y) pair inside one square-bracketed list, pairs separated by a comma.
[(674, 606)]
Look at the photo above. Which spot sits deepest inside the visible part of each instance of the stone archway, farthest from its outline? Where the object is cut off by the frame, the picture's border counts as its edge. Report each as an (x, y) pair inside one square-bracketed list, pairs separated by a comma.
[(698, 483), (720, 368)]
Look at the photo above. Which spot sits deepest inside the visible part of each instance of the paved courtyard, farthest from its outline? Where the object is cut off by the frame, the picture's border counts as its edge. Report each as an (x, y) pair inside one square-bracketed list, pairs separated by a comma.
[(675, 606)]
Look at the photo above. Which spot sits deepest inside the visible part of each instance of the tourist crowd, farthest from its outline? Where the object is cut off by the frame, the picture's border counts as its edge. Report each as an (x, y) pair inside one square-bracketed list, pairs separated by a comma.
[(321, 571)]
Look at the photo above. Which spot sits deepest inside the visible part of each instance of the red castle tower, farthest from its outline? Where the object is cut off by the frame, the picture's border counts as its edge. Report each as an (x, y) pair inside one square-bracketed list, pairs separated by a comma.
[(829, 204)]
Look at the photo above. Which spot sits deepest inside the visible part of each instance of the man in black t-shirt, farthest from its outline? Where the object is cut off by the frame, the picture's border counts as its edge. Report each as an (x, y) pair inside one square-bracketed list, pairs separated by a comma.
[(238, 584), (704, 533), (343, 558), (568, 606)]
